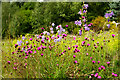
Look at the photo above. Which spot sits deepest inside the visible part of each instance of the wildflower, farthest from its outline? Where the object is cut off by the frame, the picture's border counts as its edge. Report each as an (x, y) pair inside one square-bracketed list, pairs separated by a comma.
[(74, 38), (56, 27), (84, 11), (96, 75), (99, 68), (42, 54), (88, 45), (80, 32), (25, 64), (108, 63), (98, 62), (99, 77), (83, 42), (106, 15), (85, 6), (66, 25), (79, 23), (57, 64), (102, 67), (19, 42), (52, 32), (92, 75), (48, 33), (80, 12), (26, 57), (30, 39), (115, 75), (113, 35), (74, 56), (112, 74), (42, 28), (108, 25), (87, 54), (69, 48), (75, 61), (34, 51), (23, 37), (93, 62), (76, 22), (53, 24), (8, 62), (83, 16)]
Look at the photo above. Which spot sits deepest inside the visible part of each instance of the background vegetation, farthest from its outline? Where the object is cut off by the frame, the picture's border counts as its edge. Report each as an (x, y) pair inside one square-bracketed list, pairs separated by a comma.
[(21, 18)]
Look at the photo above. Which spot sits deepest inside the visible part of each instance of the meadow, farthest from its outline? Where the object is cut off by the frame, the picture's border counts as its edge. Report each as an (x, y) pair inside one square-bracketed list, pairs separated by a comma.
[(62, 55)]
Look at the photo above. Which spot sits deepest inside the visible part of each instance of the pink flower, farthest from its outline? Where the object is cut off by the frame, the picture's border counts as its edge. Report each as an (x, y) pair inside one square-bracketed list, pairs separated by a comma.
[(83, 16), (8, 62), (87, 54), (102, 67), (26, 57), (74, 38), (30, 39), (62, 53), (112, 74), (99, 77), (74, 56), (115, 75), (113, 35), (42, 54), (38, 48), (75, 61), (34, 51), (108, 63), (88, 44), (93, 62), (90, 57), (96, 75), (98, 62), (57, 64), (99, 68), (25, 64), (69, 48), (66, 25), (92, 75)]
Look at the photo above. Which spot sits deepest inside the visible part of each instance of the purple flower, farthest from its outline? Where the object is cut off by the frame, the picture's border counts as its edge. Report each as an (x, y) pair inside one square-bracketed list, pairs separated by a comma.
[(90, 57), (111, 14), (42, 54), (85, 6), (48, 33), (87, 54), (19, 42), (51, 29), (96, 75), (115, 75), (99, 77), (80, 32), (84, 11), (76, 22), (52, 32), (88, 44), (34, 51), (102, 67), (108, 25), (8, 62), (108, 63), (98, 62), (23, 37), (93, 62), (92, 75), (30, 39), (113, 35), (74, 56), (106, 15), (99, 68), (26, 57), (66, 25), (80, 12), (75, 61)]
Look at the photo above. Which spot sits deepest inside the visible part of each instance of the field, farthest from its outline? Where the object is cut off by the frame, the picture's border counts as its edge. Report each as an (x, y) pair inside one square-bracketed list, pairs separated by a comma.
[(88, 56)]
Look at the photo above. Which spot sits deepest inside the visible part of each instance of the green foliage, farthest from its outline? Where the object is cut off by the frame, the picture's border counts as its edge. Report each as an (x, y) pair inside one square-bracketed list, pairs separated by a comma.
[(98, 23), (21, 23)]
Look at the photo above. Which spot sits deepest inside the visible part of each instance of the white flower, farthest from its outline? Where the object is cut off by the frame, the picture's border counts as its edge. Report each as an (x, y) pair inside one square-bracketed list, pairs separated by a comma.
[(57, 27), (53, 24)]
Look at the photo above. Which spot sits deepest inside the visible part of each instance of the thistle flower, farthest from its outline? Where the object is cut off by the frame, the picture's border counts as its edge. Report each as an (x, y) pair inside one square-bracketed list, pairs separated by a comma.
[(98, 62), (108, 63), (99, 77), (75, 62), (30, 39), (42, 54), (66, 25), (96, 75), (8, 62), (93, 62), (87, 54), (26, 57), (99, 68), (74, 56), (113, 35)]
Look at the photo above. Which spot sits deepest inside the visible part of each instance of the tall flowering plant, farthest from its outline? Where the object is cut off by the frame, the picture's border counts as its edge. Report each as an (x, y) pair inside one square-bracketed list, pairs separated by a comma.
[(83, 19)]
